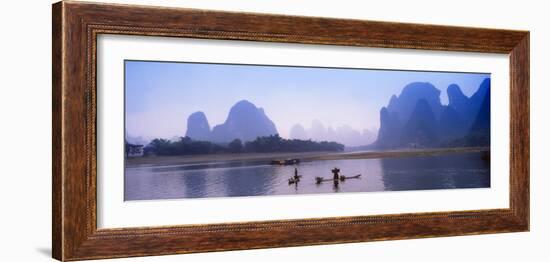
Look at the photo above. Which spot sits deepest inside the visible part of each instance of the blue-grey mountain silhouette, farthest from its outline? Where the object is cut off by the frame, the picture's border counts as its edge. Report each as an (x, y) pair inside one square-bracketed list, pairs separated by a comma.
[(317, 132), (245, 122), (198, 127), (458, 100), (480, 132), (343, 134), (467, 107), (482, 123), (399, 110), (479, 96), (390, 129), (421, 128), (405, 103), (417, 118), (298, 132), (451, 124)]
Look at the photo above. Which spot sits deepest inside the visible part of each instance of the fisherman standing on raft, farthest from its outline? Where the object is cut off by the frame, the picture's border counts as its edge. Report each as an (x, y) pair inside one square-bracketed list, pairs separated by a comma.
[(296, 177), (336, 172)]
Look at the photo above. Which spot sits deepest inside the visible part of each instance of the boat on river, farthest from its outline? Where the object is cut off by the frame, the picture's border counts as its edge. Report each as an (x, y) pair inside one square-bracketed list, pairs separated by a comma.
[(285, 162)]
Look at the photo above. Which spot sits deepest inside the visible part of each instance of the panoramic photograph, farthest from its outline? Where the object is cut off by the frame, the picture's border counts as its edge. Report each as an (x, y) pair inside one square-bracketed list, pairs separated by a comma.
[(200, 130)]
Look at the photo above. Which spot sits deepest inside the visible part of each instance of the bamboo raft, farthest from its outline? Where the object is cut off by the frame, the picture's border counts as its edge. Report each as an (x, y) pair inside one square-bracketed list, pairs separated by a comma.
[(319, 180), (292, 180)]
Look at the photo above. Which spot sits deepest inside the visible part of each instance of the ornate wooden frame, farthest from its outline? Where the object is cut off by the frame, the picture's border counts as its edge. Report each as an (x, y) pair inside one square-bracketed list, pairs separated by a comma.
[(76, 26)]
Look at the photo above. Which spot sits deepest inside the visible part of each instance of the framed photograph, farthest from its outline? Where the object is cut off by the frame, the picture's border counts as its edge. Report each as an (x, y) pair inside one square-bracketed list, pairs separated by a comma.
[(182, 130)]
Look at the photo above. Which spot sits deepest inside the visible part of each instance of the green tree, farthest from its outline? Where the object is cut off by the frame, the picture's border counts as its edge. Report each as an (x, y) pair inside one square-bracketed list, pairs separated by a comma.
[(236, 146)]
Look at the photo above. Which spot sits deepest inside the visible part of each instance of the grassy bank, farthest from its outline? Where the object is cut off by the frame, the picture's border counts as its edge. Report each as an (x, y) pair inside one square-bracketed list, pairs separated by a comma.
[(306, 156)]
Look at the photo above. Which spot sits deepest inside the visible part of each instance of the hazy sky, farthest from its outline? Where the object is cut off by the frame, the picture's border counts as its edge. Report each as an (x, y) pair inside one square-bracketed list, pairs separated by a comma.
[(161, 95)]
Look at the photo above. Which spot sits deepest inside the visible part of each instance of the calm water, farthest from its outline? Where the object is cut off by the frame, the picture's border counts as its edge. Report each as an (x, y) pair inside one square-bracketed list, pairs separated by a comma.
[(258, 178)]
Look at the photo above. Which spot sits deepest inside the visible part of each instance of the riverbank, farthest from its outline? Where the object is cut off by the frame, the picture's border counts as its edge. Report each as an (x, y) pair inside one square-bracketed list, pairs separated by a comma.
[(305, 156), (398, 153)]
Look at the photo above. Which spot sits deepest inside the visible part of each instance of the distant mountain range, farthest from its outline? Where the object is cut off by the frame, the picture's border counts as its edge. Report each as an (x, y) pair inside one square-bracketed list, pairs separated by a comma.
[(416, 118), (342, 134), (245, 122)]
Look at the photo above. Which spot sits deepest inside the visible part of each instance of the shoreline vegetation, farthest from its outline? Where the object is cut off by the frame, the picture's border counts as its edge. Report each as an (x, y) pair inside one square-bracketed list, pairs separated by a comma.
[(264, 144), (303, 156)]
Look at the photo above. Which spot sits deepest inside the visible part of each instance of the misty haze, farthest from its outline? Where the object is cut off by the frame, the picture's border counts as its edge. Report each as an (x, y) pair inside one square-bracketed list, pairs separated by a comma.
[(221, 130)]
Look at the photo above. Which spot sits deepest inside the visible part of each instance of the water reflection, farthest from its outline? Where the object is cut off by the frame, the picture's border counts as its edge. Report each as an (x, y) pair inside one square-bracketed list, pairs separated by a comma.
[(440, 172), (257, 178), (243, 181)]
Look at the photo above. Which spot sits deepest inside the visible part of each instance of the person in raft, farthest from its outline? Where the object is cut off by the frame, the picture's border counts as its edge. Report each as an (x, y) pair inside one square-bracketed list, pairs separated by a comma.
[(336, 172), (296, 177)]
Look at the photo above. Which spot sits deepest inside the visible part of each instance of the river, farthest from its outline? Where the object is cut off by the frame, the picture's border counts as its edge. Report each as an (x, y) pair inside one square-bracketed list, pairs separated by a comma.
[(258, 178)]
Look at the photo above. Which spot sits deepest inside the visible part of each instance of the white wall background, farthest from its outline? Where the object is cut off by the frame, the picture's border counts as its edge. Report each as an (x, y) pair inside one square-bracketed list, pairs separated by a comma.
[(25, 158)]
